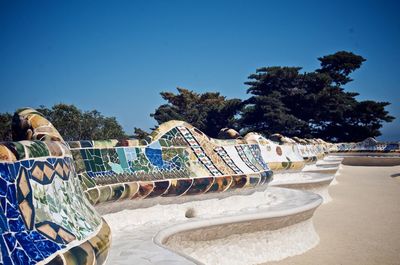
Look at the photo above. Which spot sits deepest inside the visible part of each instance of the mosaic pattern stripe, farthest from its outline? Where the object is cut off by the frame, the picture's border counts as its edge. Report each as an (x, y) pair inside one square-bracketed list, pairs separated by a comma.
[(174, 187), (244, 158), (228, 160), (198, 150), (256, 152)]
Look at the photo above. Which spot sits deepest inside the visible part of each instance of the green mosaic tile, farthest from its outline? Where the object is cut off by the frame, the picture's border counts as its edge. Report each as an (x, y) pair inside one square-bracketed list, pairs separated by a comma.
[(37, 149)]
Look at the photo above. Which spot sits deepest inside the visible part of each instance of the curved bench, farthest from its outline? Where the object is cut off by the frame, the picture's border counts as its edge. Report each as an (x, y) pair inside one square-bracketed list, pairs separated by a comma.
[(291, 168), (369, 145), (178, 160), (176, 163), (368, 153)]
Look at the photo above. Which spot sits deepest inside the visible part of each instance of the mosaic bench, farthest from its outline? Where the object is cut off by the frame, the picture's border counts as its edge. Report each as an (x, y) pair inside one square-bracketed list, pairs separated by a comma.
[(179, 160), (369, 145), (280, 156), (368, 153), (283, 155), (49, 186)]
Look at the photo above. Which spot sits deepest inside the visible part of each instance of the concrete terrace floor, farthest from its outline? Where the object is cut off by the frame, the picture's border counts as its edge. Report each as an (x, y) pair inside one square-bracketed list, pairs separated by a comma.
[(362, 223)]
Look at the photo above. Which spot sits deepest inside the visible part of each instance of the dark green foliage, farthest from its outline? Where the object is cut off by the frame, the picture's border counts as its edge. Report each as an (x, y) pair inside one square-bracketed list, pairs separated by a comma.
[(5, 127), (340, 65), (286, 101), (210, 112), (266, 111), (140, 134), (73, 123), (67, 119), (111, 129)]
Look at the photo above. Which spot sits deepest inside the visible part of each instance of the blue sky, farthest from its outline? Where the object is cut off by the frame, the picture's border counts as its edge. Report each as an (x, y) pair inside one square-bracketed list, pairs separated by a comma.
[(116, 56)]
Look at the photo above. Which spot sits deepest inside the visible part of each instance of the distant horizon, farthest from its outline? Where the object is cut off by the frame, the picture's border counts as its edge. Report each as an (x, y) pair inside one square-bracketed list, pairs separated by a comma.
[(118, 58)]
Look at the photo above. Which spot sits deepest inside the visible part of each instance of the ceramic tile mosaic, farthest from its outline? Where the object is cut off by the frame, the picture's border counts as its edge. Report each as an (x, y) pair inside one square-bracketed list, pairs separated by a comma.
[(177, 160), (286, 156), (43, 208), (368, 145), (31, 125), (198, 150), (242, 154), (228, 160)]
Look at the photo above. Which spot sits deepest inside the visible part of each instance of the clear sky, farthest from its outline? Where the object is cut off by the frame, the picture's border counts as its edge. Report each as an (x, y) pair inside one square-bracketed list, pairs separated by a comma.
[(116, 56)]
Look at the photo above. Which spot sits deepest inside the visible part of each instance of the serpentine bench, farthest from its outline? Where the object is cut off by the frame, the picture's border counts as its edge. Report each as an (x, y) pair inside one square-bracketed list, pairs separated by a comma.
[(285, 158), (368, 153), (49, 188), (178, 160)]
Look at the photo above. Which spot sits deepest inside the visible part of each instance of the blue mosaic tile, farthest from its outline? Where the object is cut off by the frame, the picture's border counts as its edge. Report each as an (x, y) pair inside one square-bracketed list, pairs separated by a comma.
[(10, 240), (3, 187), (16, 225), (5, 173), (155, 157), (25, 240), (21, 258)]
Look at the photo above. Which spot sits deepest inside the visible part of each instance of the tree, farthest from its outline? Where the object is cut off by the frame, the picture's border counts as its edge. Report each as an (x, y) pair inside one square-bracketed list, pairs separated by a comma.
[(67, 119), (340, 65), (267, 114), (111, 129), (266, 111), (73, 123), (92, 121), (5, 127), (312, 104), (365, 120), (140, 134), (210, 112)]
